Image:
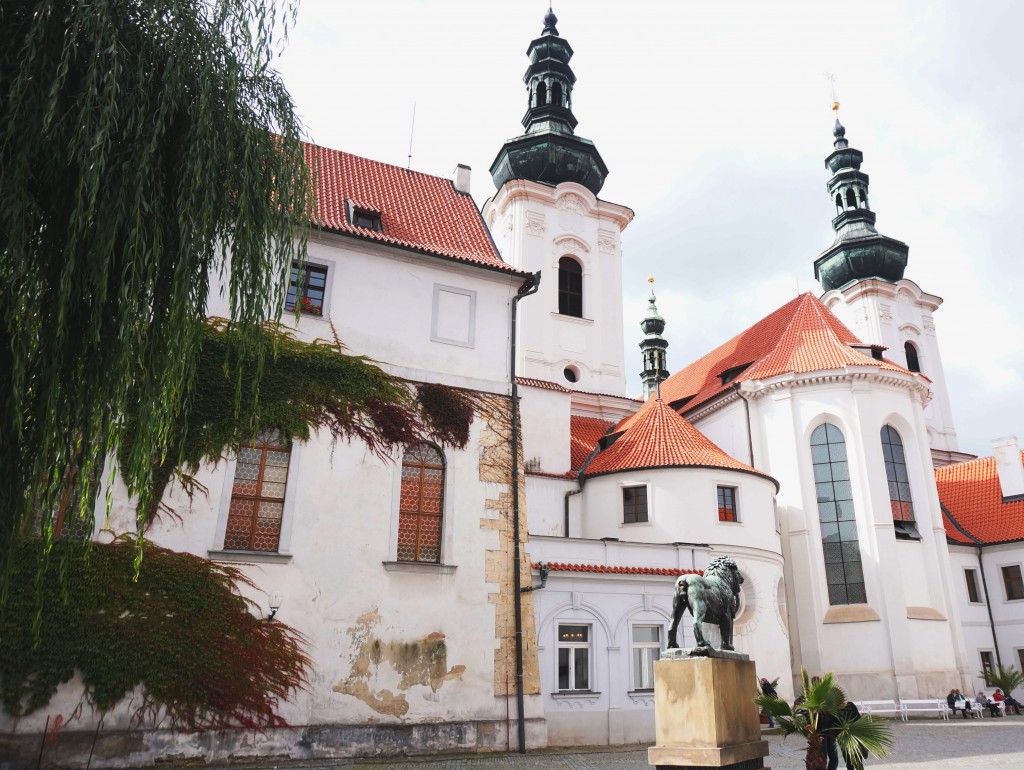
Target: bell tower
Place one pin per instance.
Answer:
(862, 274)
(653, 349)
(546, 217)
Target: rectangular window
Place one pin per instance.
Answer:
(646, 650)
(727, 510)
(257, 495)
(573, 657)
(987, 666)
(368, 219)
(308, 284)
(1013, 583)
(634, 505)
(971, 575)
(1020, 658)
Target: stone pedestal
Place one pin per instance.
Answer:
(705, 715)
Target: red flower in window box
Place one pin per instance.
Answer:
(306, 305)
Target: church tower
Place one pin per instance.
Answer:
(653, 348)
(862, 276)
(546, 217)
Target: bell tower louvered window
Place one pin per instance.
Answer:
(421, 508)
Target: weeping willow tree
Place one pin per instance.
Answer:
(145, 145)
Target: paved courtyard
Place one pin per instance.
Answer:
(920, 743)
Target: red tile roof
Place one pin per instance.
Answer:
(584, 433)
(544, 384)
(418, 211)
(659, 438)
(970, 493)
(801, 336)
(606, 569)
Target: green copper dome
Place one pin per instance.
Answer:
(859, 251)
(549, 151)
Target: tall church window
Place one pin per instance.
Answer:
(899, 484)
(421, 507)
(841, 548)
(913, 364)
(570, 287)
(257, 494)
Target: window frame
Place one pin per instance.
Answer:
(836, 525)
(724, 506)
(419, 514)
(987, 659)
(263, 446)
(901, 498)
(971, 582)
(573, 648)
(644, 649)
(1018, 582)
(632, 487)
(568, 296)
(292, 292)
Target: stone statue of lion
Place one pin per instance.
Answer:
(711, 598)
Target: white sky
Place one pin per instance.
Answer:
(713, 118)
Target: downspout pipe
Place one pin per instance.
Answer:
(981, 568)
(750, 437)
(530, 286)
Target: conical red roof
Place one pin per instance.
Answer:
(659, 438)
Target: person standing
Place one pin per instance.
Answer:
(850, 713)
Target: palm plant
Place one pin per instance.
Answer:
(1006, 678)
(818, 712)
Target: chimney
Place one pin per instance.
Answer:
(460, 178)
(1011, 472)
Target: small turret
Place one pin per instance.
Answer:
(653, 347)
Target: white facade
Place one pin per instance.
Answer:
(534, 226)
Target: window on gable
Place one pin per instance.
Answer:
(973, 595)
(1013, 583)
(840, 546)
(634, 505)
(646, 650)
(307, 286)
(899, 485)
(257, 495)
(570, 287)
(913, 364)
(727, 509)
(421, 506)
(573, 657)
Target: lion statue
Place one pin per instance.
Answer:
(711, 598)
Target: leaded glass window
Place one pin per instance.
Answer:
(421, 506)
(896, 473)
(257, 495)
(843, 570)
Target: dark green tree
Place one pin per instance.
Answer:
(145, 145)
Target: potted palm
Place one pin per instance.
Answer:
(820, 711)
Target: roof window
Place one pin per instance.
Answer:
(733, 372)
(364, 216)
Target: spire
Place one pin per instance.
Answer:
(859, 252)
(550, 151)
(653, 347)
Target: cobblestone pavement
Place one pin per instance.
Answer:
(932, 743)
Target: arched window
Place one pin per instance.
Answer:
(899, 483)
(556, 94)
(913, 364)
(851, 199)
(863, 197)
(839, 202)
(542, 94)
(570, 287)
(843, 570)
(421, 506)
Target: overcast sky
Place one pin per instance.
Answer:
(713, 118)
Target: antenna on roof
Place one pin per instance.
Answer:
(412, 128)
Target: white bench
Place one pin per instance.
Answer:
(880, 707)
(926, 706)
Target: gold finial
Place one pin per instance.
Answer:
(832, 88)
(650, 279)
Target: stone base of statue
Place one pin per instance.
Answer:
(704, 712)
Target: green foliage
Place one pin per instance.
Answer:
(1006, 678)
(304, 387)
(182, 631)
(820, 709)
(144, 145)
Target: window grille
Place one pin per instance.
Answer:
(257, 495)
(421, 506)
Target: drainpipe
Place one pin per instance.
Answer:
(981, 568)
(750, 438)
(529, 287)
(569, 494)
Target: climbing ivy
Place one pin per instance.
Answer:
(182, 631)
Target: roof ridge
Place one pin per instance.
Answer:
(379, 162)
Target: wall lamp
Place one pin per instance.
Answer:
(543, 579)
(274, 602)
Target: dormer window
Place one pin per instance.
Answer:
(733, 372)
(364, 216)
